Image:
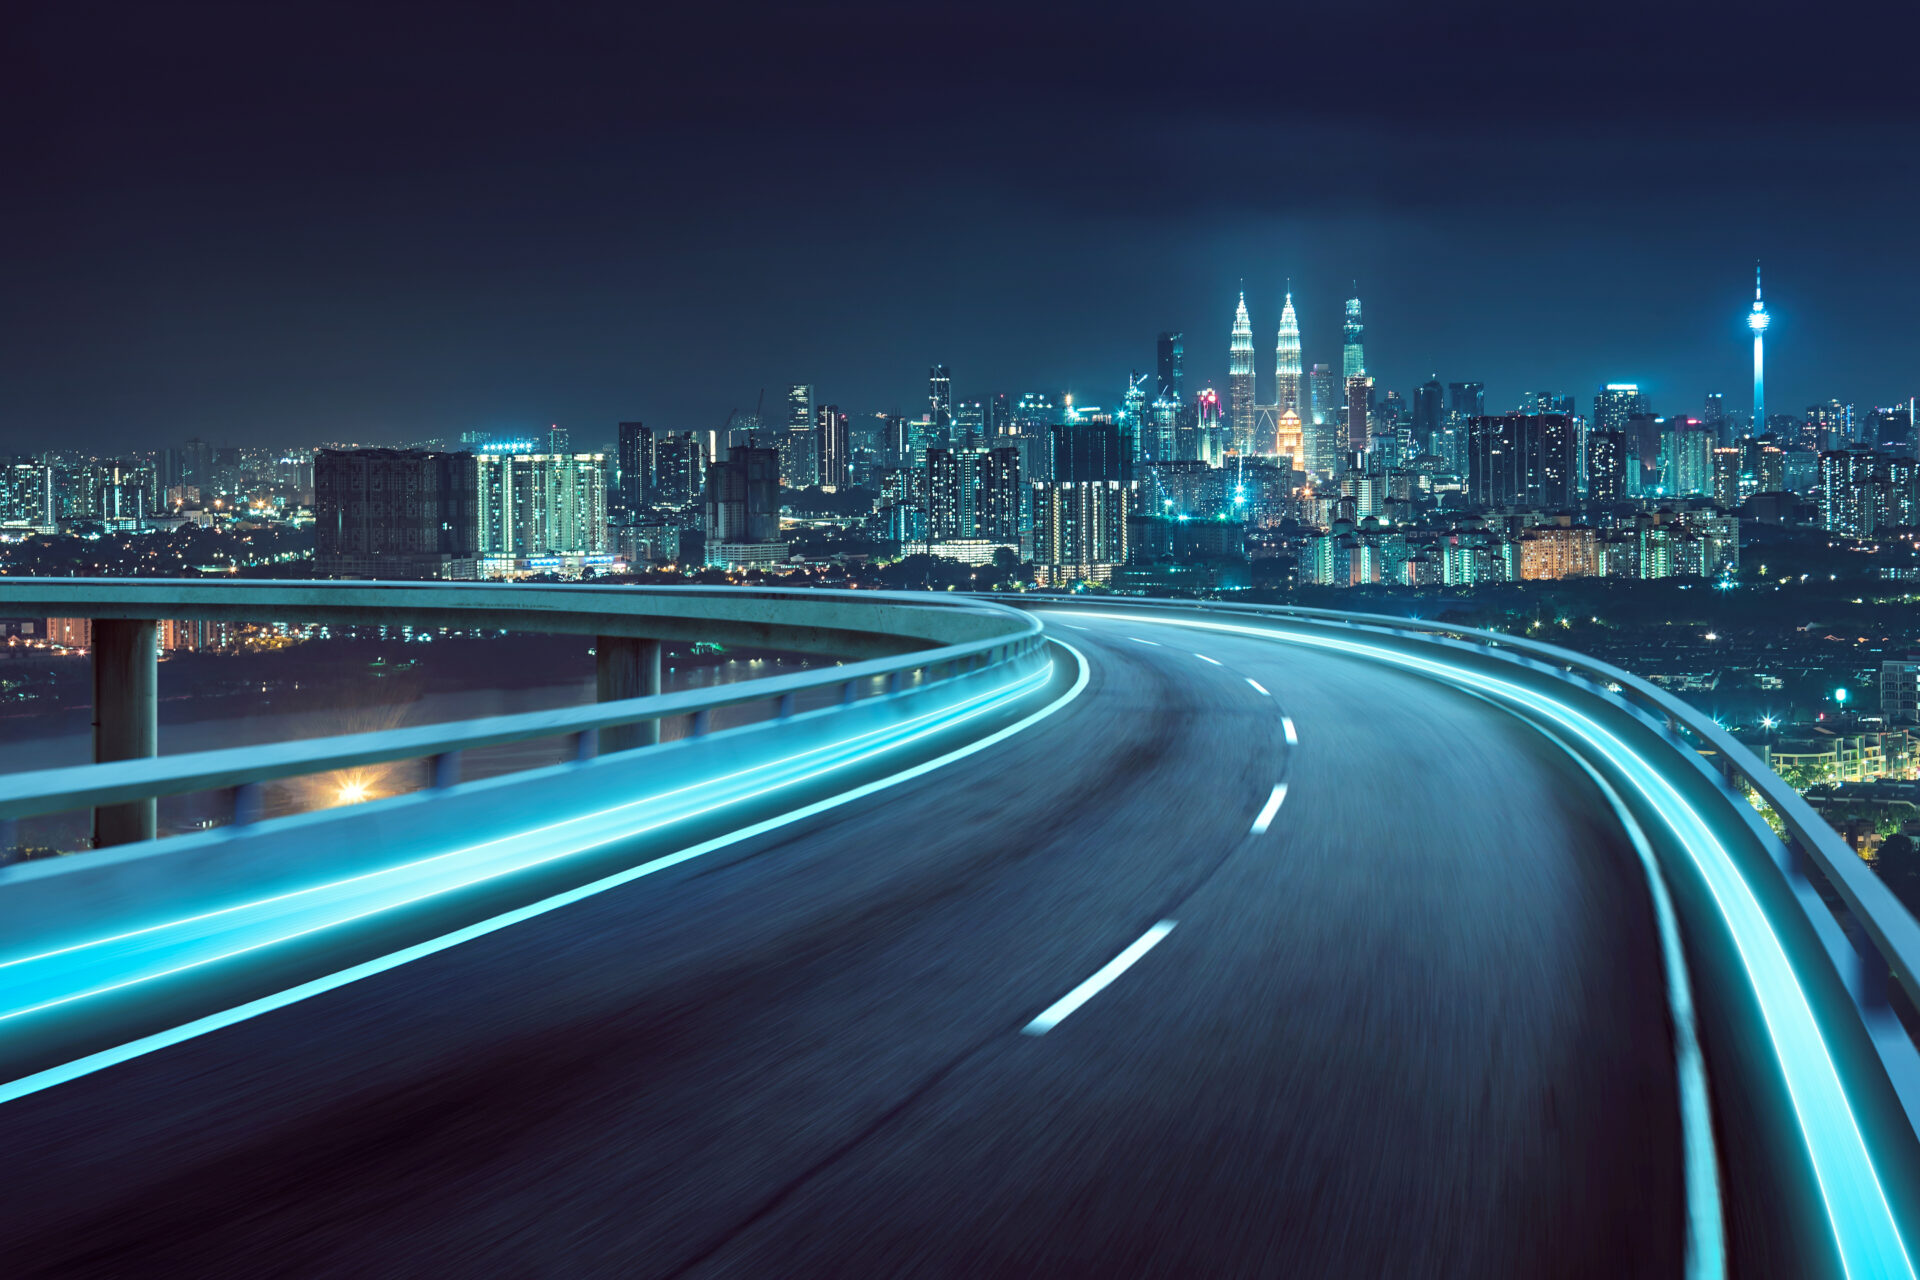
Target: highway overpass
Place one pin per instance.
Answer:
(1165, 940)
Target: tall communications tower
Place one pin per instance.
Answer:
(1240, 379)
(1757, 322)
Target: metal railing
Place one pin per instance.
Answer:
(242, 771)
(1803, 847)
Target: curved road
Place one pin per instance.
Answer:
(1415, 1026)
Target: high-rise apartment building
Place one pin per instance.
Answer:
(1240, 379)
(1607, 466)
(1862, 491)
(1522, 460)
(27, 496)
(540, 511)
(394, 513)
(973, 494)
(1686, 458)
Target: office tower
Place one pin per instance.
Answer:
(1757, 321)
(1607, 466)
(634, 458)
(969, 419)
(1133, 412)
(1161, 442)
(1286, 362)
(1521, 460)
(539, 507)
(1326, 399)
(196, 464)
(832, 448)
(800, 407)
(1468, 399)
(1353, 352)
(1545, 402)
(1716, 417)
(1290, 439)
(742, 500)
(939, 397)
(679, 469)
(1359, 402)
(394, 513)
(1170, 359)
(1429, 417)
(1209, 431)
(559, 439)
(1000, 415)
(1036, 413)
(1240, 389)
(1616, 403)
(798, 459)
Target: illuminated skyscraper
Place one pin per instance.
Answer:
(1757, 321)
(1240, 379)
(1354, 353)
(939, 397)
(832, 448)
(1617, 403)
(1286, 361)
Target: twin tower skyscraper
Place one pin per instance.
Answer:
(1276, 427)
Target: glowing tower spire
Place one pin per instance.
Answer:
(1757, 321)
(1286, 359)
(1240, 379)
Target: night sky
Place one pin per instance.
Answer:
(291, 223)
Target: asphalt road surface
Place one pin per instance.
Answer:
(1411, 1024)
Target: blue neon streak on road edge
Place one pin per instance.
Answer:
(93, 1062)
(945, 714)
(1880, 1238)
(1706, 1228)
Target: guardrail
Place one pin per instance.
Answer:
(1804, 845)
(899, 620)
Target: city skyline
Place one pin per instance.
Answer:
(415, 235)
(1208, 364)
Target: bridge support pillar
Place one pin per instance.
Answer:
(626, 668)
(126, 717)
